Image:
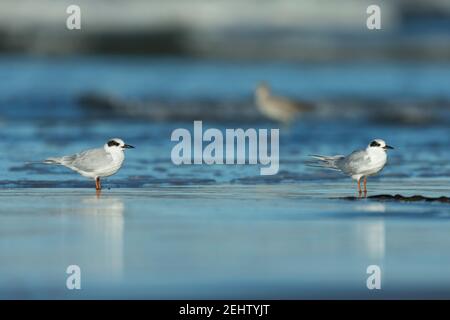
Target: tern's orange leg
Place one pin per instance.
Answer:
(359, 186)
(98, 186)
(365, 184)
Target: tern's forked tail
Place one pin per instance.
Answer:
(52, 161)
(319, 161)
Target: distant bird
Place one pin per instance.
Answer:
(359, 164)
(95, 163)
(276, 108)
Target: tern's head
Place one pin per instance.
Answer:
(116, 144)
(378, 144)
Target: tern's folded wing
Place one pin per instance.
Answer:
(91, 160)
(354, 163)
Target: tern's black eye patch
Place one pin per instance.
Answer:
(374, 144)
(112, 143)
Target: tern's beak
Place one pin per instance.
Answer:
(127, 146)
(388, 147)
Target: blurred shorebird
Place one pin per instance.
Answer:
(95, 163)
(276, 108)
(359, 164)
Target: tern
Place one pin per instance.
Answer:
(359, 164)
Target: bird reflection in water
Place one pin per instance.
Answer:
(372, 233)
(105, 226)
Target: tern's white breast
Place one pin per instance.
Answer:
(114, 166)
(378, 159)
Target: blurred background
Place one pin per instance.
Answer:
(138, 69)
(298, 30)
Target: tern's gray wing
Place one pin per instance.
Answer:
(354, 163)
(89, 160)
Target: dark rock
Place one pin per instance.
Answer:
(400, 198)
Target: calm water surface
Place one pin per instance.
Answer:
(164, 231)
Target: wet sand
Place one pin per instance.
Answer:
(222, 241)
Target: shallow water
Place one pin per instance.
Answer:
(221, 241)
(165, 231)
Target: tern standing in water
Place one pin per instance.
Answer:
(359, 164)
(95, 163)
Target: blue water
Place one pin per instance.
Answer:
(163, 231)
(47, 87)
